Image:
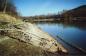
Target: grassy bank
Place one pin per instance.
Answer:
(12, 47)
(14, 43)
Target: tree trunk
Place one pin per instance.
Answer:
(5, 6)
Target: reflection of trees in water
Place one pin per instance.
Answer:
(80, 25)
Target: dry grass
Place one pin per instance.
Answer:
(12, 47)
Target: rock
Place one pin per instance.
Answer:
(30, 33)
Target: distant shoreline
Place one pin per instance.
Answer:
(54, 20)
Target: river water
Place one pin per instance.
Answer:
(74, 33)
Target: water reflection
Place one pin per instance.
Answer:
(71, 32)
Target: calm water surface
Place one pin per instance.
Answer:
(72, 33)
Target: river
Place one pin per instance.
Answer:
(74, 33)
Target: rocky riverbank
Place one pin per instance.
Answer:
(18, 37)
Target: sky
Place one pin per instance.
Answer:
(45, 7)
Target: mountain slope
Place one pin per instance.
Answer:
(77, 12)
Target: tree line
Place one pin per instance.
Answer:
(75, 14)
(7, 6)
